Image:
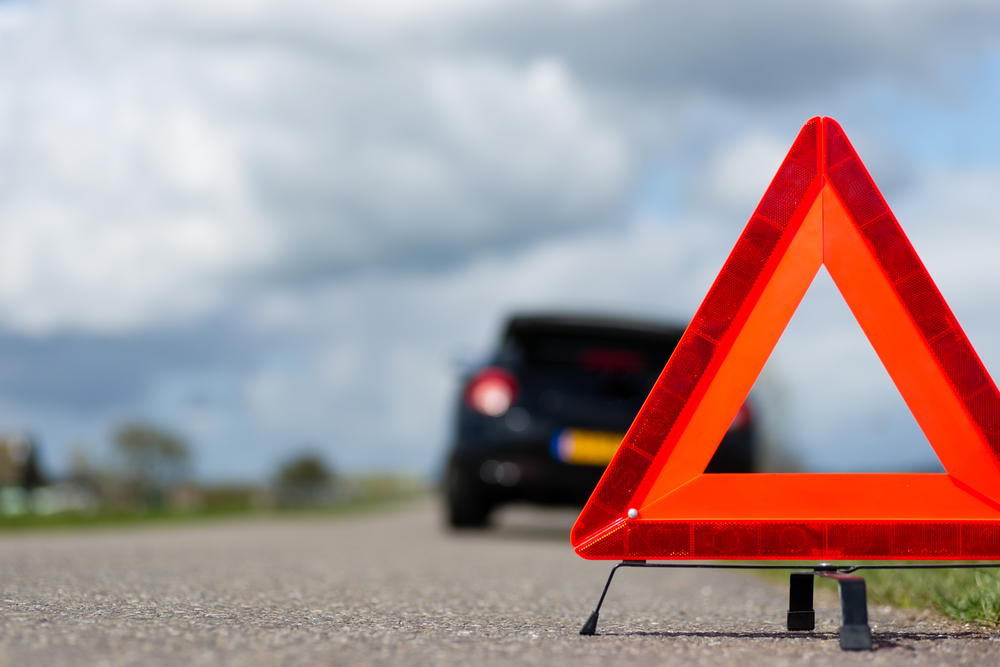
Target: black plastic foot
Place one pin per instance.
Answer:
(855, 635)
(855, 638)
(590, 627)
(801, 615)
(802, 620)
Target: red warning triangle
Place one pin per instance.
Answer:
(655, 501)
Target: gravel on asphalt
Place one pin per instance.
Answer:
(396, 588)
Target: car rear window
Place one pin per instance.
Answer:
(600, 355)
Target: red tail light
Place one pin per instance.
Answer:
(492, 391)
(742, 418)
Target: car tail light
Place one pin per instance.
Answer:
(492, 391)
(742, 418)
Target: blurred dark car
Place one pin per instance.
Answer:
(541, 421)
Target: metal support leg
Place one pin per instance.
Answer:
(590, 627)
(855, 635)
(801, 615)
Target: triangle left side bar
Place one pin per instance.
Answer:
(707, 340)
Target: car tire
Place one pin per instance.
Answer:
(466, 506)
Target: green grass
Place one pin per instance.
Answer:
(980, 603)
(138, 518)
(965, 594)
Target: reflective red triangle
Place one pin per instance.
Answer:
(822, 208)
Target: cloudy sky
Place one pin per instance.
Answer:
(276, 226)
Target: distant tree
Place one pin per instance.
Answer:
(152, 458)
(19, 464)
(304, 480)
(78, 463)
(305, 470)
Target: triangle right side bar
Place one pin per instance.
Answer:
(916, 292)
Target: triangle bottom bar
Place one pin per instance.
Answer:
(797, 540)
(823, 496)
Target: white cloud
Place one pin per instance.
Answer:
(741, 173)
(149, 166)
(156, 154)
(375, 359)
(376, 184)
(769, 51)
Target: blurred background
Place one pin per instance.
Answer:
(250, 235)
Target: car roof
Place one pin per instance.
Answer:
(523, 325)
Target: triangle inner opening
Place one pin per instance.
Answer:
(825, 402)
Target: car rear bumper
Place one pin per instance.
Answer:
(529, 471)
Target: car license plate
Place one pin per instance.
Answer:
(590, 448)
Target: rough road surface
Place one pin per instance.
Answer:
(396, 589)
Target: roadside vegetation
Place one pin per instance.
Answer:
(964, 594)
(149, 478)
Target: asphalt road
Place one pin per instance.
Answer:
(396, 589)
